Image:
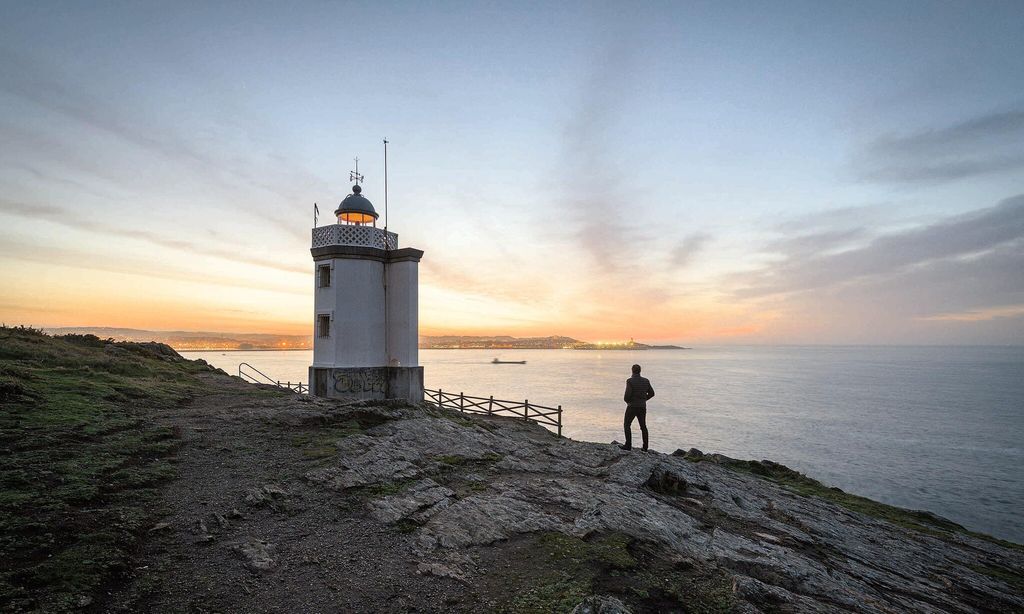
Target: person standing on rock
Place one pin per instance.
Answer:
(638, 391)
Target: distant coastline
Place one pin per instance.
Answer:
(595, 347)
(464, 342)
(272, 349)
(200, 341)
(645, 347)
(266, 349)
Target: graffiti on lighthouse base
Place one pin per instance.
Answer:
(355, 381)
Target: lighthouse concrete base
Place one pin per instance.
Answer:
(367, 383)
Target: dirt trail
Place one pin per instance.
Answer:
(245, 532)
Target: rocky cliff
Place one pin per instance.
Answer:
(287, 500)
(281, 502)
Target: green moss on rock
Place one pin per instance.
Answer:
(555, 572)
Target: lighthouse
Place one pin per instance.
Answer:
(366, 308)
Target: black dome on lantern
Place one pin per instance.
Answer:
(355, 207)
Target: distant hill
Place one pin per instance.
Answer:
(194, 340)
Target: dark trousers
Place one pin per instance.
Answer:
(640, 413)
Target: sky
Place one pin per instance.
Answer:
(698, 172)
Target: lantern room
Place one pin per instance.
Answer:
(356, 209)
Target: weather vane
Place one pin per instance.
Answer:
(354, 175)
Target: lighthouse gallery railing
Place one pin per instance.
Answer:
(531, 412)
(345, 234)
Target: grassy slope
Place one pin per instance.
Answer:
(80, 460)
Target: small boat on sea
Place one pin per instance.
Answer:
(508, 362)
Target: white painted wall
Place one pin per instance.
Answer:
(403, 314)
(323, 302)
(356, 300)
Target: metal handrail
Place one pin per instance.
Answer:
(298, 387)
(542, 414)
(251, 378)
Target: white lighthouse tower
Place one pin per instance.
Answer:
(366, 308)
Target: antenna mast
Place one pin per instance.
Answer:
(354, 175)
(385, 190)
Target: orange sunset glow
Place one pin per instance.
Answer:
(605, 194)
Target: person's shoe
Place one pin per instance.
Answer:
(627, 448)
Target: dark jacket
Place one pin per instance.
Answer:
(638, 390)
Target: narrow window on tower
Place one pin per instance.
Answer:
(323, 325)
(323, 276)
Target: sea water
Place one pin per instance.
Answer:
(933, 428)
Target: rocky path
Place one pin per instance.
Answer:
(246, 532)
(289, 503)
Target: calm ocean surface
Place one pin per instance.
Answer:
(934, 428)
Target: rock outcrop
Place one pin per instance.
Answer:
(506, 479)
(406, 508)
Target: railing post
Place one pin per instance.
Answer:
(559, 420)
(440, 398)
(462, 402)
(490, 406)
(526, 410)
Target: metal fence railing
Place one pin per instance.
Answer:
(540, 414)
(489, 406)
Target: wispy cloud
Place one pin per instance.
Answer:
(924, 283)
(967, 134)
(816, 243)
(514, 289)
(979, 315)
(263, 171)
(593, 196)
(958, 236)
(690, 246)
(40, 211)
(83, 259)
(833, 219)
(980, 145)
(908, 305)
(945, 170)
(57, 215)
